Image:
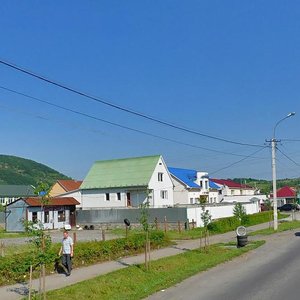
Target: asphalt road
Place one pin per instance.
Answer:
(269, 272)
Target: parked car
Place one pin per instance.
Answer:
(289, 207)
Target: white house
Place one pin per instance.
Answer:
(127, 183)
(231, 191)
(190, 185)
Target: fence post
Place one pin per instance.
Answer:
(2, 249)
(156, 223)
(103, 235)
(179, 227)
(165, 224)
(74, 237)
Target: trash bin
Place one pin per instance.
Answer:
(242, 237)
(242, 241)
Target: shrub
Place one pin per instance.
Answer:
(16, 268)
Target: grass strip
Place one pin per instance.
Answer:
(136, 283)
(283, 226)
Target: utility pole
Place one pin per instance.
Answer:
(274, 144)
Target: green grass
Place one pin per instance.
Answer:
(136, 283)
(283, 226)
(5, 235)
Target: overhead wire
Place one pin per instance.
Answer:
(289, 158)
(239, 161)
(116, 124)
(121, 108)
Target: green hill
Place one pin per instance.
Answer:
(17, 170)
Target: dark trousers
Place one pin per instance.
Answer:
(67, 262)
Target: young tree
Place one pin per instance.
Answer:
(144, 221)
(206, 219)
(239, 212)
(41, 239)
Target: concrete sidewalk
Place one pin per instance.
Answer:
(56, 281)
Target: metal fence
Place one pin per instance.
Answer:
(104, 216)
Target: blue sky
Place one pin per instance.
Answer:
(228, 69)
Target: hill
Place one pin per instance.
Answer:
(17, 170)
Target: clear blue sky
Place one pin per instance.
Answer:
(229, 69)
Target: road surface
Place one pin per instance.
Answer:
(269, 272)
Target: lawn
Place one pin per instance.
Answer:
(282, 226)
(136, 283)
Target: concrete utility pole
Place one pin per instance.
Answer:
(274, 144)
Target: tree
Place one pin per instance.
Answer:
(144, 221)
(41, 239)
(206, 219)
(240, 213)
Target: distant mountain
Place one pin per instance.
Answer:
(266, 185)
(17, 170)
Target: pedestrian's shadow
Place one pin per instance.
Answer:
(297, 233)
(58, 267)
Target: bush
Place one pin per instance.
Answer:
(16, 268)
(231, 223)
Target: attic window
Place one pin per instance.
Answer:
(160, 177)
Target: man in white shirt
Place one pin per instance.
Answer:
(66, 250)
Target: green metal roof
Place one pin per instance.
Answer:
(128, 172)
(10, 190)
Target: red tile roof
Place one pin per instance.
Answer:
(286, 192)
(70, 185)
(231, 184)
(55, 201)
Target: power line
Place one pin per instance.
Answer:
(290, 159)
(116, 124)
(127, 110)
(290, 140)
(237, 162)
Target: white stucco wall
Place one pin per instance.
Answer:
(158, 186)
(97, 198)
(245, 198)
(219, 211)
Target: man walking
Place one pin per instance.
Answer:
(66, 250)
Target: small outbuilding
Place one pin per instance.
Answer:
(55, 214)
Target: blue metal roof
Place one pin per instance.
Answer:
(186, 176)
(212, 185)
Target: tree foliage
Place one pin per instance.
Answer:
(17, 170)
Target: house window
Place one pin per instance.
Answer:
(46, 217)
(206, 185)
(191, 200)
(107, 197)
(119, 196)
(164, 194)
(160, 177)
(34, 216)
(61, 216)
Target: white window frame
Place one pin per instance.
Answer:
(164, 194)
(160, 177)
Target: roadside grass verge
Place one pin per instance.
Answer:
(135, 283)
(283, 226)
